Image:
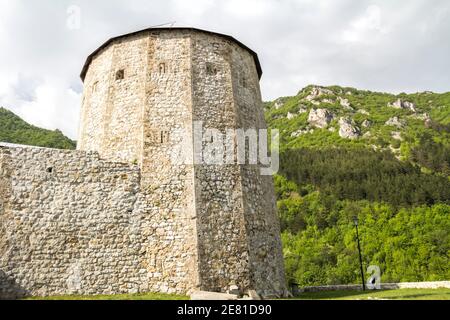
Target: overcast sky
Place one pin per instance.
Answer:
(390, 45)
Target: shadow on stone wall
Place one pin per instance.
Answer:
(9, 289)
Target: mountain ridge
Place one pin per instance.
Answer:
(380, 157)
(15, 130)
(403, 124)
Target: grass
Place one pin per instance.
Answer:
(144, 296)
(398, 294)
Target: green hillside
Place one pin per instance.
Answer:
(384, 158)
(14, 130)
(346, 153)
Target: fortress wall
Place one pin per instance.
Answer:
(72, 230)
(223, 251)
(122, 119)
(112, 108)
(93, 226)
(95, 97)
(168, 184)
(261, 219)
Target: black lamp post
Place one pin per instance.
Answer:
(355, 220)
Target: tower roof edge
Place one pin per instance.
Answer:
(108, 42)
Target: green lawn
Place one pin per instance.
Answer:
(145, 296)
(399, 294)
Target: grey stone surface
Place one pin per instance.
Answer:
(320, 118)
(348, 129)
(395, 122)
(206, 295)
(317, 92)
(254, 295)
(234, 290)
(400, 104)
(366, 123)
(118, 216)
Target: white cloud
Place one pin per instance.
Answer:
(191, 9)
(249, 8)
(53, 105)
(367, 27)
(371, 44)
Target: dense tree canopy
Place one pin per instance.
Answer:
(360, 173)
(394, 178)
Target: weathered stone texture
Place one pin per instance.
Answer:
(120, 215)
(69, 225)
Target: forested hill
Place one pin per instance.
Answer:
(384, 158)
(15, 130)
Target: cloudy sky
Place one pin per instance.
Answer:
(390, 45)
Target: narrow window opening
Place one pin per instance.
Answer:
(164, 137)
(157, 137)
(94, 86)
(162, 68)
(211, 69)
(49, 170)
(120, 74)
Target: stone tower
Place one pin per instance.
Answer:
(210, 226)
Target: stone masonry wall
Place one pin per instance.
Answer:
(168, 186)
(120, 215)
(72, 223)
(261, 221)
(223, 249)
(69, 225)
(112, 108)
(239, 233)
(144, 115)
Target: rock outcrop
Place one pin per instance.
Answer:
(320, 118)
(348, 129)
(317, 92)
(400, 104)
(301, 132)
(362, 111)
(302, 109)
(395, 122)
(396, 135)
(366, 123)
(278, 104)
(345, 104)
(424, 116)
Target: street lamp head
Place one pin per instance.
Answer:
(355, 220)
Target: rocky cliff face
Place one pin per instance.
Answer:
(321, 116)
(348, 129)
